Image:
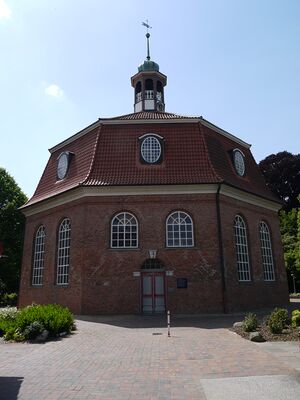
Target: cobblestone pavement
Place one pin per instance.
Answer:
(133, 358)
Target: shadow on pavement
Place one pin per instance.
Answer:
(160, 321)
(9, 387)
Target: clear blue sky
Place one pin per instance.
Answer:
(65, 63)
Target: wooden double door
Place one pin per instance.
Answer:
(153, 292)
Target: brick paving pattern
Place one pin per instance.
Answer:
(122, 359)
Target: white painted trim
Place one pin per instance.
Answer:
(237, 149)
(167, 231)
(150, 134)
(75, 137)
(245, 260)
(80, 192)
(249, 198)
(224, 133)
(137, 232)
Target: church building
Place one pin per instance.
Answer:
(152, 211)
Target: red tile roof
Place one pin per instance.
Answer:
(108, 155)
(220, 153)
(117, 159)
(149, 115)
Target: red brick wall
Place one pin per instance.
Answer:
(102, 281)
(257, 293)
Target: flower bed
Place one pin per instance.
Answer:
(276, 327)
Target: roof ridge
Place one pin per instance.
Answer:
(148, 115)
(93, 157)
(208, 154)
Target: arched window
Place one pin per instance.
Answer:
(242, 253)
(179, 230)
(266, 252)
(63, 252)
(38, 256)
(149, 84)
(138, 92)
(124, 231)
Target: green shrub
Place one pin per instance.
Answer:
(8, 318)
(18, 336)
(296, 318)
(29, 322)
(278, 320)
(55, 319)
(33, 330)
(250, 322)
(9, 334)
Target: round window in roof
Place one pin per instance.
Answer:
(151, 149)
(239, 162)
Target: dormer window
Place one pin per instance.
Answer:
(63, 163)
(151, 149)
(239, 162)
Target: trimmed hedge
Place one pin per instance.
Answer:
(31, 321)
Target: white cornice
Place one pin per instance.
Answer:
(249, 198)
(75, 137)
(105, 191)
(224, 133)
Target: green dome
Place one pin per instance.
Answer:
(148, 66)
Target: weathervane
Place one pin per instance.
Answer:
(146, 24)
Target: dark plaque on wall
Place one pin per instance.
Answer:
(181, 283)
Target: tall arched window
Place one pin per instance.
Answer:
(266, 252)
(179, 230)
(124, 231)
(63, 252)
(242, 253)
(38, 256)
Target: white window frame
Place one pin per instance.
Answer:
(151, 149)
(179, 214)
(239, 164)
(38, 256)
(241, 249)
(63, 252)
(266, 252)
(121, 233)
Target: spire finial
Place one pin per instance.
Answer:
(146, 24)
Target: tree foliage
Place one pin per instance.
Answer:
(290, 233)
(11, 230)
(282, 175)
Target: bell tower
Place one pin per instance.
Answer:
(148, 84)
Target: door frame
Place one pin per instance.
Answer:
(153, 273)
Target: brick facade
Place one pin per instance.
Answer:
(102, 279)
(188, 165)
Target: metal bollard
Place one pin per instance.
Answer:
(168, 322)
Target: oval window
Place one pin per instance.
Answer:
(151, 149)
(239, 162)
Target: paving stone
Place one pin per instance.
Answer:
(119, 358)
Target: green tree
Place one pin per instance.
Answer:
(289, 235)
(282, 174)
(11, 230)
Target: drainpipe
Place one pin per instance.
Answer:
(221, 250)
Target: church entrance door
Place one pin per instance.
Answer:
(153, 292)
